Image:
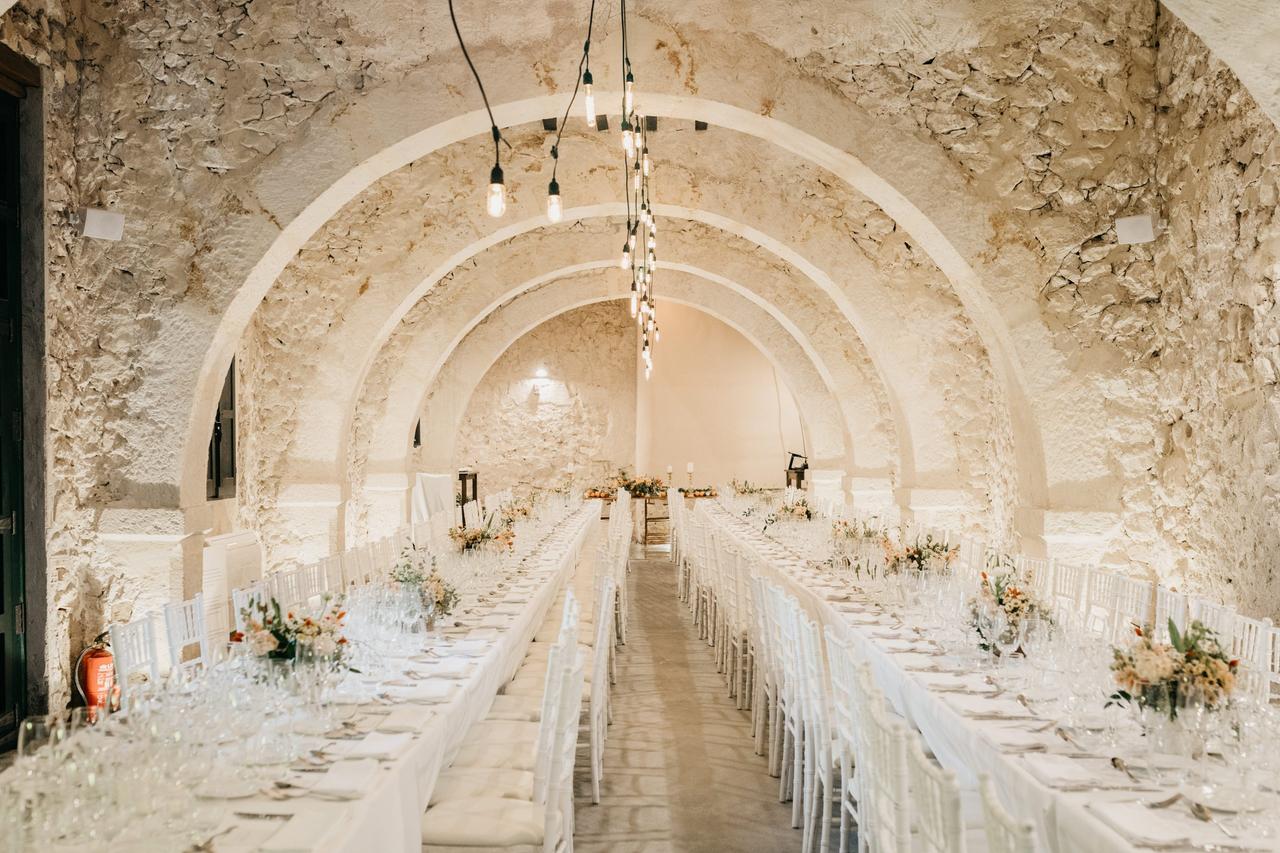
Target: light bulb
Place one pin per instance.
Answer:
(645, 161)
(653, 244)
(636, 181)
(628, 139)
(629, 93)
(554, 209)
(631, 239)
(657, 333)
(633, 302)
(626, 257)
(496, 202)
(589, 99)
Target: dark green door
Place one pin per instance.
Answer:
(12, 652)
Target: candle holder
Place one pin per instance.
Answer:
(690, 479)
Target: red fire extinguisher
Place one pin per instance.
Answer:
(96, 675)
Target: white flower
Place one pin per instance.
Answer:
(262, 642)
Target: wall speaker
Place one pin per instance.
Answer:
(102, 224)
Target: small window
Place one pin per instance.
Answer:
(417, 434)
(221, 478)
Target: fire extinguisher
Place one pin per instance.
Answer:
(96, 674)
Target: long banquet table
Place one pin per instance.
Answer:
(1076, 803)
(387, 817)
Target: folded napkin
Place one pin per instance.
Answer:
(447, 667)
(373, 745)
(986, 706)
(470, 647)
(1060, 771)
(837, 595)
(484, 633)
(494, 621)
(1140, 825)
(407, 718)
(953, 681)
(1018, 740)
(427, 692)
(347, 779)
(304, 832)
(513, 608)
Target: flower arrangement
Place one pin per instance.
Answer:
(1155, 675)
(796, 509)
(842, 530)
(599, 492)
(745, 488)
(517, 510)
(699, 492)
(413, 566)
(438, 594)
(470, 538)
(1007, 593)
(929, 555)
(274, 633)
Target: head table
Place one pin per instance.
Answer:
(366, 787)
(1077, 797)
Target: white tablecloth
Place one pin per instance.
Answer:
(388, 817)
(964, 745)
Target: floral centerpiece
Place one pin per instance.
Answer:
(699, 492)
(470, 538)
(416, 569)
(927, 555)
(851, 531)
(1159, 675)
(517, 510)
(599, 492)
(412, 567)
(438, 594)
(274, 633)
(641, 487)
(745, 488)
(797, 509)
(1011, 597)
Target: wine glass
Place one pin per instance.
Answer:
(1007, 637)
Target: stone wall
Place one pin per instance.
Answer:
(522, 429)
(1215, 484)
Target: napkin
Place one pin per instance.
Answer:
(955, 681)
(406, 718)
(985, 706)
(1138, 824)
(1061, 771)
(494, 621)
(485, 633)
(373, 745)
(1018, 740)
(348, 779)
(427, 692)
(446, 667)
(466, 648)
(304, 832)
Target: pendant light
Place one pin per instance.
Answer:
(496, 197)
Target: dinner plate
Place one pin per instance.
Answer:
(227, 789)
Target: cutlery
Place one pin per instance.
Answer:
(1205, 848)
(262, 815)
(1118, 763)
(1202, 812)
(206, 846)
(1162, 804)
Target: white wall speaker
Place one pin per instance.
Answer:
(1136, 229)
(102, 224)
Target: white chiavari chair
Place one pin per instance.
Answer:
(1134, 602)
(935, 803)
(1248, 644)
(245, 598)
(1218, 618)
(764, 698)
(350, 562)
(886, 807)
(844, 685)
(311, 584)
(133, 648)
(184, 627)
(783, 613)
(1068, 592)
(1169, 605)
(1273, 664)
(598, 700)
(285, 586)
(820, 754)
(331, 568)
(1037, 571)
(365, 564)
(1005, 833)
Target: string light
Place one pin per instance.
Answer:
(555, 207)
(589, 99)
(555, 212)
(496, 198)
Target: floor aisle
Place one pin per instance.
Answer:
(680, 772)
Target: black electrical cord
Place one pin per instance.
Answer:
(582, 63)
(493, 125)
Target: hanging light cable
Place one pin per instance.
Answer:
(555, 208)
(496, 199)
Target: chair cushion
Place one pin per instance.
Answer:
(516, 707)
(461, 783)
(509, 756)
(502, 731)
(486, 822)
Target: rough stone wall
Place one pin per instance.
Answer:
(1216, 483)
(521, 430)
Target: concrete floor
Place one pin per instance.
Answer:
(680, 772)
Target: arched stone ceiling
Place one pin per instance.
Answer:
(390, 399)
(932, 178)
(841, 231)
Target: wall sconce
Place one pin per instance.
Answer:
(541, 373)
